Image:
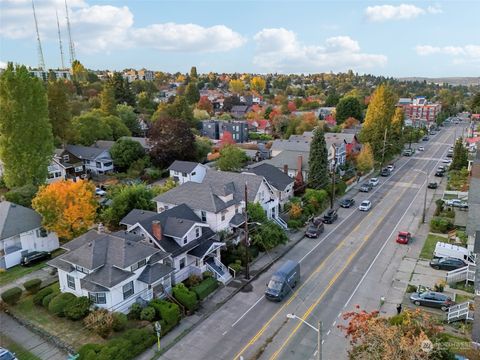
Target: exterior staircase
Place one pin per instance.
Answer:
(280, 222)
(219, 270)
(466, 273)
(460, 312)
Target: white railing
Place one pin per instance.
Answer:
(460, 312)
(466, 273)
(225, 277)
(280, 222)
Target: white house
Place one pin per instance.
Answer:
(113, 270)
(96, 160)
(219, 200)
(184, 171)
(63, 166)
(192, 245)
(21, 232)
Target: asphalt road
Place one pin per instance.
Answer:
(250, 327)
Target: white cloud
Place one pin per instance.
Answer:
(3, 65)
(278, 49)
(461, 54)
(104, 28)
(381, 13)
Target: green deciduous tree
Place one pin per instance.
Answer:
(124, 152)
(26, 140)
(118, 128)
(193, 72)
(256, 213)
(192, 95)
(129, 118)
(231, 158)
(475, 103)
(348, 106)
(318, 162)
(89, 127)
(179, 109)
(203, 147)
(59, 110)
(460, 156)
(107, 100)
(269, 235)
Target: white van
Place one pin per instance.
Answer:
(448, 250)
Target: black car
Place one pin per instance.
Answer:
(432, 299)
(366, 187)
(34, 257)
(447, 263)
(314, 231)
(346, 203)
(449, 155)
(432, 185)
(385, 172)
(425, 138)
(330, 216)
(439, 173)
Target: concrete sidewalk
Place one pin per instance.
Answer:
(29, 340)
(222, 295)
(42, 274)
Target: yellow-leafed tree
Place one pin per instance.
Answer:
(365, 159)
(236, 86)
(257, 84)
(67, 208)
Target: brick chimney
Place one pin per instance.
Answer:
(285, 169)
(157, 229)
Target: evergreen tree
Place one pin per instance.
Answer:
(318, 162)
(192, 94)
(378, 120)
(193, 72)
(59, 110)
(121, 86)
(107, 100)
(26, 139)
(460, 156)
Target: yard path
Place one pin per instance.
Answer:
(29, 340)
(42, 274)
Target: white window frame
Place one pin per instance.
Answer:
(71, 282)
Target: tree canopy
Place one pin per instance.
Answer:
(460, 156)
(231, 158)
(59, 110)
(364, 160)
(318, 161)
(124, 152)
(348, 106)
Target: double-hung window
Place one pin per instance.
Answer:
(127, 290)
(98, 298)
(71, 282)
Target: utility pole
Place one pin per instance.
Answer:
(247, 241)
(425, 199)
(319, 357)
(332, 196)
(384, 145)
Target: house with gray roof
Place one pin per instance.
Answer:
(65, 166)
(96, 159)
(21, 232)
(192, 246)
(113, 270)
(290, 162)
(184, 171)
(220, 196)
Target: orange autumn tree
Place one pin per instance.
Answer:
(67, 208)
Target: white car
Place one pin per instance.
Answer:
(457, 203)
(391, 167)
(421, 148)
(447, 161)
(374, 181)
(100, 192)
(365, 205)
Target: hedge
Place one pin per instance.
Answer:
(32, 286)
(124, 347)
(78, 308)
(185, 297)
(205, 288)
(11, 296)
(39, 296)
(167, 312)
(47, 299)
(148, 314)
(119, 321)
(60, 302)
(135, 311)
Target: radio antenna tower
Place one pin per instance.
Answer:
(60, 41)
(70, 42)
(41, 60)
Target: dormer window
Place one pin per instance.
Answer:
(185, 240)
(66, 158)
(197, 232)
(138, 265)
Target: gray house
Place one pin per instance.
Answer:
(214, 129)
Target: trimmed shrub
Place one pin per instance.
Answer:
(59, 303)
(205, 288)
(135, 311)
(207, 274)
(47, 299)
(295, 224)
(167, 312)
(100, 322)
(11, 296)
(32, 286)
(39, 296)
(411, 288)
(185, 297)
(119, 321)
(78, 308)
(147, 314)
(441, 225)
(236, 266)
(192, 280)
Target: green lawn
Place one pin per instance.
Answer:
(459, 298)
(20, 352)
(18, 271)
(429, 246)
(72, 332)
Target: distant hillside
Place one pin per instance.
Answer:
(449, 80)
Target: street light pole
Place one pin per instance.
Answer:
(425, 196)
(384, 145)
(332, 197)
(318, 330)
(247, 242)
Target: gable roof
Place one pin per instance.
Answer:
(295, 144)
(154, 272)
(16, 219)
(275, 177)
(136, 215)
(335, 138)
(85, 152)
(287, 157)
(183, 166)
(104, 144)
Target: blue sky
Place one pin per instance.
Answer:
(408, 38)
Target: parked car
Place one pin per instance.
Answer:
(283, 281)
(373, 181)
(439, 173)
(421, 148)
(425, 138)
(432, 185)
(314, 231)
(330, 216)
(447, 263)
(447, 161)
(365, 187)
(407, 152)
(6, 354)
(404, 237)
(385, 172)
(391, 167)
(449, 155)
(457, 203)
(442, 168)
(35, 257)
(432, 299)
(365, 205)
(346, 203)
(100, 192)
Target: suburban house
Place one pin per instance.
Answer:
(184, 171)
(215, 129)
(192, 246)
(65, 166)
(113, 270)
(290, 162)
(352, 144)
(21, 232)
(219, 200)
(239, 111)
(97, 160)
(299, 143)
(337, 149)
(281, 183)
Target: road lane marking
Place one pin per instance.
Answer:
(328, 333)
(334, 323)
(246, 312)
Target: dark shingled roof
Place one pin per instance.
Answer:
(275, 177)
(237, 220)
(183, 166)
(201, 249)
(136, 215)
(155, 272)
(16, 219)
(85, 152)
